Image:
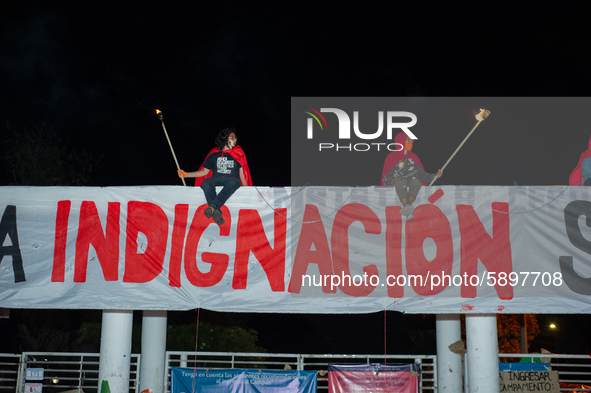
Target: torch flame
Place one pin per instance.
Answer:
(157, 111)
(483, 114)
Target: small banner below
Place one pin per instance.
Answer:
(528, 377)
(374, 378)
(188, 380)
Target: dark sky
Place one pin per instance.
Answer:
(94, 71)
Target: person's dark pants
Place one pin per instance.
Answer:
(229, 184)
(587, 182)
(407, 188)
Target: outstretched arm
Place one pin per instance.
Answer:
(200, 173)
(425, 177)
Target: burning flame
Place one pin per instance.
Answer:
(483, 114)
(158, 111)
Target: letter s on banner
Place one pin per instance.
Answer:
(572, 212)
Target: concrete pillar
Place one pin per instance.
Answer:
(114, 365)
(152, 370)
(482, 353)
(449, 364)
(523, 334)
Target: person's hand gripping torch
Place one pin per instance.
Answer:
(483, 114)
(160, 117)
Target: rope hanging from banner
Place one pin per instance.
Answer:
(518, 212)
(196, 347)
(306, 222)
(354, 188)
(385, 348)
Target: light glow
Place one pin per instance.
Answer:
(483, 114)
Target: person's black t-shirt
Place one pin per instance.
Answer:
(224, 165)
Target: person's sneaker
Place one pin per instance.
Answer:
(407, 209)
(410, 217)
(217, 217)
(209, 211)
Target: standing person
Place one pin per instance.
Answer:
(226, 166)
(582, 173)
(404, 171)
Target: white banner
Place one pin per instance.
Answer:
(312, 250)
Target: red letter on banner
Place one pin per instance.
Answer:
(149, 219)
(61, 238)
(251, 237)
(311, 235)
(106, 245)
(219, 262)
(494, 251)
(339, 243)
(181, 213)
(431, 223)
(394, 251)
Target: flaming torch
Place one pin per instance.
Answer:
(160, 117)
(480, 116)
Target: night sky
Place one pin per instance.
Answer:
(94, 71)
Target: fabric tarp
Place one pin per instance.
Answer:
(482, 249)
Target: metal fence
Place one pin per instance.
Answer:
(282, 361)
(9, 371)
(61, 371)
(66, 371)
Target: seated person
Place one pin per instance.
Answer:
(404, 171)
(226, 166)
(581, 175)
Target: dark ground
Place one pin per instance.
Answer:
(94, 71)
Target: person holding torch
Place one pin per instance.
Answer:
(403, 170)
(226, 166)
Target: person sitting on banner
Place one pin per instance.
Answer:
(403, 170)
(581, 175)
(225, 165)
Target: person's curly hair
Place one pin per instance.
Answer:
(222, 139)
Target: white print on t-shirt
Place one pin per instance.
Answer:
(224, 165)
